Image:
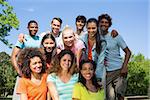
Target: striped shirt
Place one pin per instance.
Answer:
(64, 89)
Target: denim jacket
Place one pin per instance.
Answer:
(98, 58)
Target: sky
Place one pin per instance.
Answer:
(129, 17)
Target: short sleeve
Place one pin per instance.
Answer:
(76, 91)
(51, 78)
(121, 42)
(80, 44)
(19, 44)
(22, 86)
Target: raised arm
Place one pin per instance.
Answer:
(21, 37)
(14, 54)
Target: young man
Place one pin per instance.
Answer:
(116, 69)
(28, 40)
(55, 26)
(55, 29)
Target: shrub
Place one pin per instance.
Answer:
(138, 76)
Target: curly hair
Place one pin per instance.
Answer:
(24, 60)
(56, 64)
(105, 16)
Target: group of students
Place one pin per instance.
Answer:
(71, 65)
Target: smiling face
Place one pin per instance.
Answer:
(35, 65)
(49, 45)
(92, 29)
(65, 62)
(104, 24)
(80, 24)
(55, 26)
(33, 29)
(68, 37)
(87, 71)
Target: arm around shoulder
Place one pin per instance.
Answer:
(114, 33)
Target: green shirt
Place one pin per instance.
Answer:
(80, 92)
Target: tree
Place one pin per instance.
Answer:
(7, 75)
(8, 21)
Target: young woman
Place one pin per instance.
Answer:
(69, 41)
(48, 43)
(95, 46)
(87, 87)
(61, 81)
(80, 23)
(32, 84)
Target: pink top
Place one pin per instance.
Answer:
(78, 45)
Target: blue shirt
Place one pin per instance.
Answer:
(113, 57)
(64, 89)
(29, 42)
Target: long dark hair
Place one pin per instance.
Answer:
(98, 39)
(82, 79)
(49, 55)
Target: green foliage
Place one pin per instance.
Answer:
(7, 74)
(8, 21)
(138, 76)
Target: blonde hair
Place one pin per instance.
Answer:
(66, 28)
